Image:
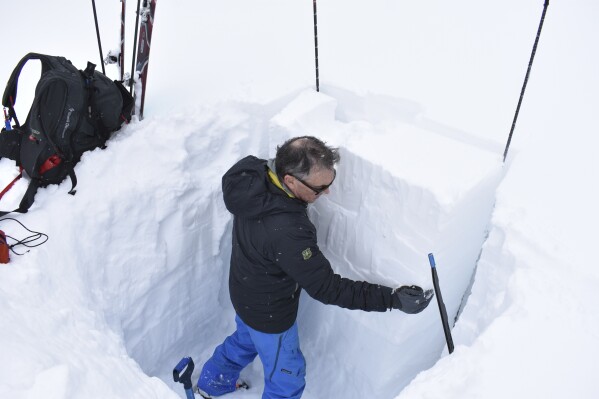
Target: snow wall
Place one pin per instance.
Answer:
(136, 275)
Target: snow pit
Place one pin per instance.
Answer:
(140, 254)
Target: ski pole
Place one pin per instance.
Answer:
(98, 34)
(132, 77)
(122, 60)
(442, 309)
(185, 378)
(316, 45)
(532, 57)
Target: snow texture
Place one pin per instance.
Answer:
(419, 97)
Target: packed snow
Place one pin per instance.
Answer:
(420, 98)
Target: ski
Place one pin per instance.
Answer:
(122, 55)
(146, 15)
(117, 56)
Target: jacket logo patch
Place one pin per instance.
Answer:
(307, 253)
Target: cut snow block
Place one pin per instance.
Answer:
(401, 192)
(309, 114)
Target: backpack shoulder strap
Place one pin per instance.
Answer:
(29, 196)
(10, 93)
(27, 200)
(9, 98)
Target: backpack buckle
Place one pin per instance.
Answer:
(50, 163)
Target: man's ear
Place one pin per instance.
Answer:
(289, 180)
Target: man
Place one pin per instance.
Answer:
(274, 256)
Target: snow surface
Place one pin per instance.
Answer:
(420, 97)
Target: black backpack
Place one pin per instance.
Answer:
(73, 111)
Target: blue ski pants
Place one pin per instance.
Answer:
(283, 361)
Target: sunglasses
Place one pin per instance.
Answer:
(320, 189)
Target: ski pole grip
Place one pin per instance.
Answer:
(431, 260)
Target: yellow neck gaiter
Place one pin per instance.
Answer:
(275, 180)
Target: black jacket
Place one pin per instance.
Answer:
(275, 255)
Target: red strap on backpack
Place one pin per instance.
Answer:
(50, 163)
(12, 183)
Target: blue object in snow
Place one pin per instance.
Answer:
(7, 121)
(185, 378)
(431, 259)
(442, 309)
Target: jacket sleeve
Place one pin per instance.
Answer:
(298, 255)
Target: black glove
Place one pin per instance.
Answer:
(411, 299)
